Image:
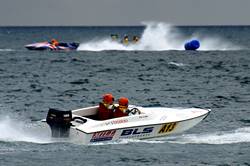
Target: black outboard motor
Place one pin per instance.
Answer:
(59, 122)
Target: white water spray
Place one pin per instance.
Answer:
(13, 130)
(160, 37)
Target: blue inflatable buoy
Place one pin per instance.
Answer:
(192, 45)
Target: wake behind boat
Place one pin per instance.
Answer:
(142, 123)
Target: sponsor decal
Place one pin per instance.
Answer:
(119, 121)
(136, 132)
(103, 136)
(143, 116)
(107, 123)
(167, 128)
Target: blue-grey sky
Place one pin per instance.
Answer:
(124, 12)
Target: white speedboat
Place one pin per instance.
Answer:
(142, 123)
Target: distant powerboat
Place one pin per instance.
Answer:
(50, 46)
(142, 123)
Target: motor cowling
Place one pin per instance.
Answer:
(59, 122)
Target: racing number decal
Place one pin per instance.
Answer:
(167, 128)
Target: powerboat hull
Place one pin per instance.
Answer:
(48, 46)
(150, 123)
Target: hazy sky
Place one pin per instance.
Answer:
(124, 12)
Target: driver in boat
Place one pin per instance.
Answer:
(54, 42)
(114, 37)
(122, 109)
(125, 40)
(135, 39)
(106, 107)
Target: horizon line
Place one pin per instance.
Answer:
(212, 25)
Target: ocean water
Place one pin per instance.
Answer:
(156, 72)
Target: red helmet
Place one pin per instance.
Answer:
(54, 41)
(108, 98)
(123, 101)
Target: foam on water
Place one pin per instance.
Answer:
(160, 37)
(6, 50)
(127, 141)
(209, 44)
(227, 137)
(224, 137)
(177, 64)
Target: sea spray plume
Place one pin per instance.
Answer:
(160, 37)
(155, 37)
(14, 130)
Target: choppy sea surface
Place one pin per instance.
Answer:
(155, 72)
